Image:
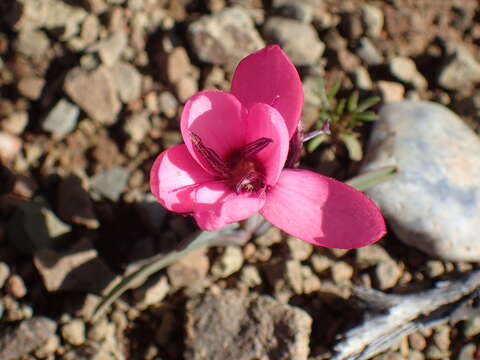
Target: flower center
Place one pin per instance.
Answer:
(242, 170)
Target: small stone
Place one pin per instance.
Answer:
(311, 282)
(185, 88)
(128, 81)
(248, 326)
(435, 268)
(441, 338)
(371, 255)
(18, 340)
(90, 29)
(95, 93)
(74, 203)
(437, 175)
(112, 47)
(272, 236)
(152, 292)
(320, 263)
(391, 91)
(189, 269)
(417, 341)
(228, 263)
(101, 330)
(415, 355)
(16, 287)
(32, 43)
(62, 119)
(4, 274)
(298, 10)
(10, 146)
(176, 65)
(362, 79)
(434, 353)
(31, 87)
(137, 126)
(224, 37)
(341, 271)
(52, 344)
(404, 69)
(299, 41)
(461, 71)
(299, 250)
(110, 183)
(250, 276)
(15, 123)
(74, 332)
(294, 276)
(373, 19)
(387, 274)
(78, 269)
(368, 52)
(168, 104)
(467, 352)
(472, 327)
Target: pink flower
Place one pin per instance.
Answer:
(232, 163)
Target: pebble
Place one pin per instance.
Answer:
(435, 153)
(74, 203)
(62, 119)
(249, 327)
(362, 78)
(32, 43)
(31, 87)
(391, 91)
(298, 10)
(74, 332)
(294, 276)
(152, 292)
(110, 183)
(250, 276)
(192, 268)
(15, 286)
(224, 37)
(341, 272)
(434, 268)
(95, 93)
(228, 263)
(404, 69)
(468, 352)
(471, 327)
(176, 65)
(111, 48)
(28, 335)
(371, 255)
(387, 274)
(373, 19)
(299, 40)
(417, 341)
(15, 123)
(10, 146)
(320, 263)
(461, 71)
(168, 104)
(368, 52)
(4, 273)
(49, 348)
(128, 81)
(78, 268)
(137, 126)
(185, 88)
(299, 250)
(272, 236)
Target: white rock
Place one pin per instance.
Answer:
(74, 332)
(62, 119)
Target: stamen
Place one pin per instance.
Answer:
(209, 155)
(325, 129)
(255, 147)
(249, 182)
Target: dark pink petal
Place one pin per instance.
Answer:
(174, 176)
(216, 205)
(268, 76)
(264, 121)
(216, 118)
(323, 211)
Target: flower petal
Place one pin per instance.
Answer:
(264, 121)
(216, 117)
(268, 76)
(323, 211)
(174, 176)
(216, 205)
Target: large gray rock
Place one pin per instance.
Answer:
(231, 326)
(434, 202)
(225, 37)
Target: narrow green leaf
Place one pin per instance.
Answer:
(313, 144)
(366, 116)
(368, 103)
(322, 93)
(340, 107)
(334, 90)
(352, 103)
(366, 181)
(353, 146)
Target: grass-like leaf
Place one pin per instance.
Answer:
(365, 181)
(368, 103)
(353, 146)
